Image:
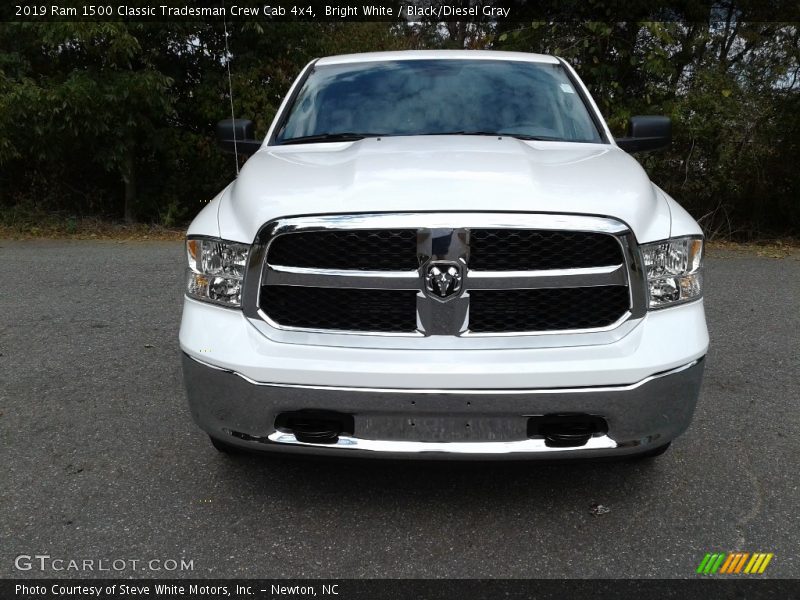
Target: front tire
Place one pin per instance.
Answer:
(224, 447)
(653, 453)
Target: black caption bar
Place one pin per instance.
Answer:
(399, 10)
(349, 589)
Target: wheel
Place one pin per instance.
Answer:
(658, 451)
(224, 447)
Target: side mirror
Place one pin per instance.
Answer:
(647, 133)
(241, 130)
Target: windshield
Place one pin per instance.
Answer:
(438, 97)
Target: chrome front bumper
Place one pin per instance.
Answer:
(451, 424)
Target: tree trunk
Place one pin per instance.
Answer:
(129, 178)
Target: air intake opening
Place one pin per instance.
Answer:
(566, 430)
(315, 426)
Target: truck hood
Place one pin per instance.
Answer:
(442, 173)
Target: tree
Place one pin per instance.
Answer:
(82, 89)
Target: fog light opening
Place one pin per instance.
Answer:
(566, 430)
(314, 426)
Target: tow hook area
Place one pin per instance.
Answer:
(315, 426)
(566, 430)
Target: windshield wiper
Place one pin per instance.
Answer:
(535, 138)
(329, 137)
(354, 137)
(464, 133)
(519, 136)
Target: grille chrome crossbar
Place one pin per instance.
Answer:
(475, 280)
(337, 278)
(550, 278)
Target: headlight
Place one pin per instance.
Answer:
(674, 270)
(216, 270)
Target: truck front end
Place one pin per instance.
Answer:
(506, 284)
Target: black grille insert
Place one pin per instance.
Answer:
(550, 309)
(523, 249)
(360, 249)
(341, 308)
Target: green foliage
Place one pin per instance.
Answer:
(117, 119)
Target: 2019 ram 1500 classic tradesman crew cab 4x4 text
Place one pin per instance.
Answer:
(443, 254)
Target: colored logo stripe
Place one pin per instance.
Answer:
(740, 564)
(734, 562)
(710, 563)
(758, 563)
(727, 564)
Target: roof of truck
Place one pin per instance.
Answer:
(436, 55)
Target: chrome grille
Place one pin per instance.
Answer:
(516, 274)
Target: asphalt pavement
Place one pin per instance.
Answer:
(102, 462)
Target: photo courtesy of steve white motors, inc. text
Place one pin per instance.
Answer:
(170, 589)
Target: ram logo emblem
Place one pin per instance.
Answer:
(443, 279)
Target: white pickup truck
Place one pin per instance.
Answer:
(443, 254)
